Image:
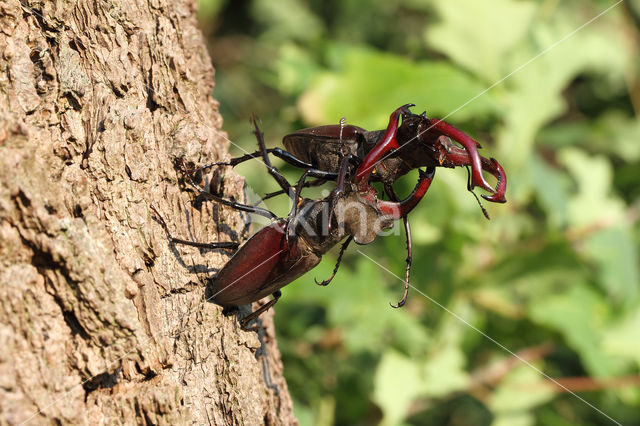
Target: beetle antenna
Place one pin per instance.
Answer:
(470, 189)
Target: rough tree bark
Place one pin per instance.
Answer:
(101, 320)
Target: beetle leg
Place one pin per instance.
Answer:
(338, 191)
(296, 195)
(407, 231)
(278, 152)
(255, 314)
(296, 162)
(264, 153)
(309, 184)
(219, 245)
(232, 162)
(333, 274)
(400, 209)
(321, 175)
(233, 204)
(282, 181)
(386, 144)
(290, 232)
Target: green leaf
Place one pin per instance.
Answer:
(444, 372)
(477, 35)
(371, 84)
(623, 339)
(303, 414)
(593, 203)
(287, 19)
(517, 394)
(620, 134)
(445, 365)
(613, 132)
(208, 9)
(616, 254)
(295, 68)
(357, 302)
(540, 68)
(397, 385)
(400, 380)
(514, 419)
(579, 315)
(552, 189)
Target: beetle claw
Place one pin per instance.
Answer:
(399, 305)
(404, 296)
(324, 282)
(406, 107)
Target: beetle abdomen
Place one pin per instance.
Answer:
(261, 266)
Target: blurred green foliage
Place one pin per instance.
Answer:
(553, 277)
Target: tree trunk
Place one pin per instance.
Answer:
(101, 319)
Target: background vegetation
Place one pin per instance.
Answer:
(554, 276)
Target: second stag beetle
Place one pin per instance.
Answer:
(414, 142)
(391, 153)
(409, 142)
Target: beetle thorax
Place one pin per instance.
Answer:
(311, 223)
(354, 214)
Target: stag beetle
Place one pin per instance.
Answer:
(417, 142)
(383, 156)
(289, 247)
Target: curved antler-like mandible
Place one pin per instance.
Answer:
(475, 159)
(385, 145)
(450, 155)
(493, 167)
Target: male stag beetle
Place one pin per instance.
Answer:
(381, 155)
(289, 247)
(417, 142)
